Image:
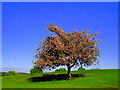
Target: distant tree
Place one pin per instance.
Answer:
(4, 74)
(9, 73)
(61, 69)
(36, 70)
(81, 68)
(68, 49)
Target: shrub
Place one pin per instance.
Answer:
(80, 68)
(61, 69)
(12, 73)
(4, 74)
(36, 70)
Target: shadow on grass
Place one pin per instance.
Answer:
(53, 77)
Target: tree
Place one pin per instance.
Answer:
(36, 70)
(81, 68)
(61, 69)
(12, 73)
(68, 49)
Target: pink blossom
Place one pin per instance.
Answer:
(55, 26)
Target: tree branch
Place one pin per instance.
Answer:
(72, 65)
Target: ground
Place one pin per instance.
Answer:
(104, 78)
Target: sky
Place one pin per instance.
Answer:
(24, 25)
(60, 0)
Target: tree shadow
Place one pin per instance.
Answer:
(53, 77)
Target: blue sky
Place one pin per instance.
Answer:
(24, 24)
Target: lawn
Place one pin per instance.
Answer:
(104, 78)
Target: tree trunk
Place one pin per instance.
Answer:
(81, 64)
(68, 72)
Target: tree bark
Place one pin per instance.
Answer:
(81, 65)
(68, 72)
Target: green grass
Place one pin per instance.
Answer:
(106, 78)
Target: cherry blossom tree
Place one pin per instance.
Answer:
(67, 49)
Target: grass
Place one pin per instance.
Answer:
(105, 78)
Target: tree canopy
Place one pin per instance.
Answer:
(68, 49)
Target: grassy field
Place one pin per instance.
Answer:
(105, 78)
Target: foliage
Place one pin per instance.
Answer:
(68, 49)
(81, 68)
(61, 69)
(9, 73)
(36, 70)
(4, 74)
